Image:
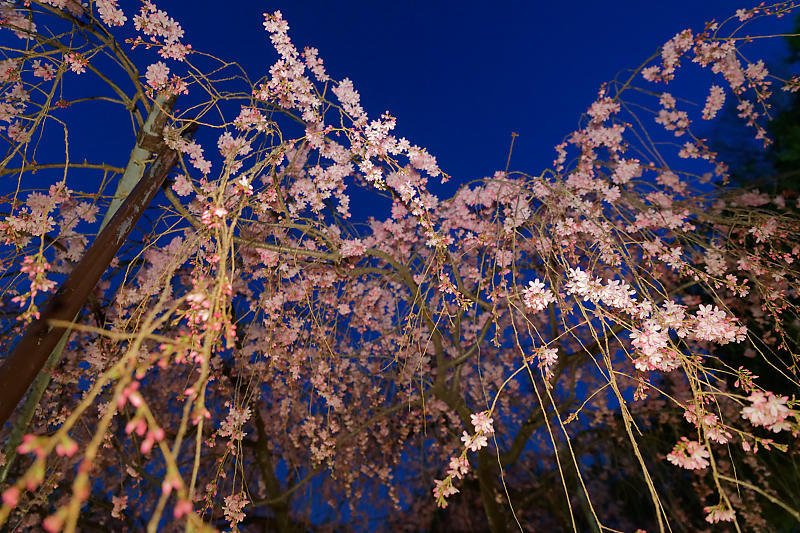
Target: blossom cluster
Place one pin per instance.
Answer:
(670, 117)
(233, 508)
(689, 454)
(714, 102)
(162, 29)
(110, 12)
(232, 425)
(157, 77)
(76, 62)
(652, 343)
(713, 324)
(651, 338)
(536, 296)
(191, 148)
(546, 357)
(722, 57)
(459, 466)
(370, 141)
(616, 293)
(770, 411)
(36, 268)
(287, 83)
(15, 19)
(719, 513)
(708, 422)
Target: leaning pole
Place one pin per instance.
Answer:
(29, 355)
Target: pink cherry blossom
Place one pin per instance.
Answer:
(233, 509)
(458, 467)
(157, 74)
(714, 102)
(77, 62)
(110, 12)
(768, 410)
(719, 513)
(474, 442)
(689, 454)
(442, 490)
(483, 423)
(162, 29)
(536, 297)
(303, 322)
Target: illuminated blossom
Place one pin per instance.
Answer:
(111, 14)
(767, 410)
(77, 62)
(689, 454)
(714, 102)
(719, 513)
(353, 248)
(162, 29)
(233, 508)
(483, 423)
(182, 185)
(458, 467)
(120, 504)
(713, 324)
(157, 74)
(442, 489)
(474, 442)
(536, 297)
(232, 425)
(44, 71)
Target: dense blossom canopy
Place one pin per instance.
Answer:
(610, 344)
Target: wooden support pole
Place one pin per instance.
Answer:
(29, 355)
(148, 141)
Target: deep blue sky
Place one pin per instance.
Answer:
(461, 76)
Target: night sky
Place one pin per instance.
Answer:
(461, 76)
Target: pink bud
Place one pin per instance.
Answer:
(173, 482)
(71, 447)
(183, 507)
(136, 399)
(147, 445)
(24, 447)
(53, 523)
(11, 496)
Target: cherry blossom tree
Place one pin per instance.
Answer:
(207, 339)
